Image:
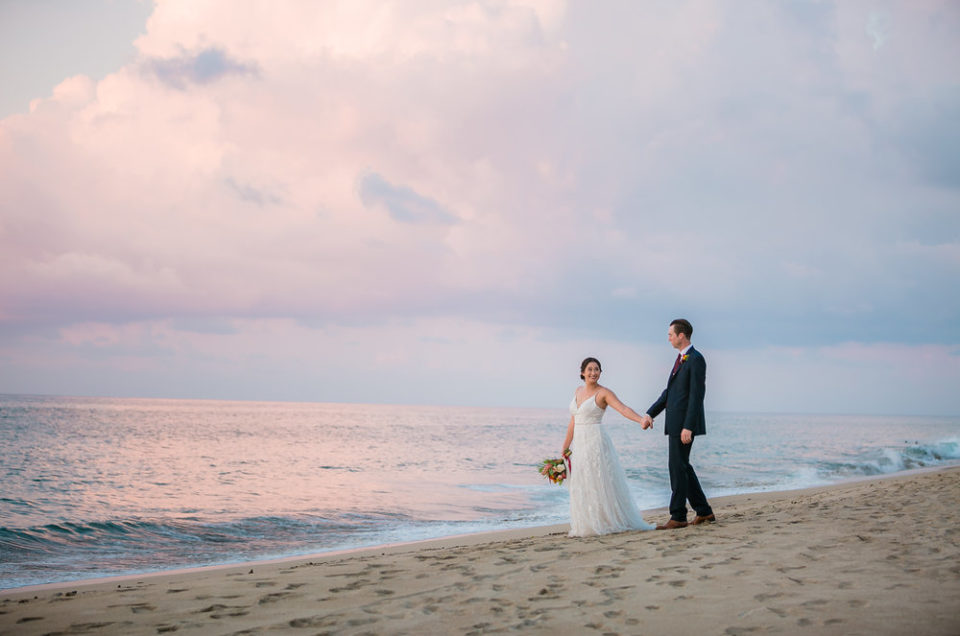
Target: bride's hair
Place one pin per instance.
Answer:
(586, 361)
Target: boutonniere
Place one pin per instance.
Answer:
(684, 358)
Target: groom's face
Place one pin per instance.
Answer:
(677, 340)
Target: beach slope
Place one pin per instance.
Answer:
(879, 556)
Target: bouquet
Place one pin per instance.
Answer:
(556, 469)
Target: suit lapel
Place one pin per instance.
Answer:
(673, 376)
(683, 363)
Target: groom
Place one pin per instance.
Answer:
(683, 399)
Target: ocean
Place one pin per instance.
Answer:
(93, 487)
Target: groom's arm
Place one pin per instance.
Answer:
(657, 407)
(698, 389)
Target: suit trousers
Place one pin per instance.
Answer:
(684, 483)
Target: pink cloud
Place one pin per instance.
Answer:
(539, 164)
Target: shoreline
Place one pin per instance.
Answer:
(868, 556)
(458, 540)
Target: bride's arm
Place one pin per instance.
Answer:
(566, 442)
(611, 398)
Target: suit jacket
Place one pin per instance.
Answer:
(683, 397)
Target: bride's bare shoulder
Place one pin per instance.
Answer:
(602, 394)
(607, 395)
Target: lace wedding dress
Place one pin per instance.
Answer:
(600, 501)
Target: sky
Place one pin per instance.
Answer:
(427, 202)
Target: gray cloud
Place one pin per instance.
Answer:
(929, 135)
(251, 194)
(404, 204)
(203, 67)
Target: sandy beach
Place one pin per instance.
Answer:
(879, 556)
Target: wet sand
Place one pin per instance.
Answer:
(879, 556)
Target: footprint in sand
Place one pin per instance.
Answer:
(544, 594)
(218, 610)
(356, 622)
(606, 571)
(386, 574)
(91, 627)
(136, 608)
(615, 594)
(352, 586)
(596, 626)
(216, 607)
(273, 597)
(315, 621)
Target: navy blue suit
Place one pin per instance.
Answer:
(683, 400)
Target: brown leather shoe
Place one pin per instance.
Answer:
(670, 525)
(710, 518)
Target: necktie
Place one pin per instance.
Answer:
(676, 365)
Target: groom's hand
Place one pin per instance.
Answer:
(686, 436)
(647, 422)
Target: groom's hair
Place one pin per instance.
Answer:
(586, 361)
(682, 325)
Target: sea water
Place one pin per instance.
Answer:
(93, 487)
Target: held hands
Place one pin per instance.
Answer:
(647, 422)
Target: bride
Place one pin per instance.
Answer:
(600, 501)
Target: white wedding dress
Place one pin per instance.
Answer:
(600, 501)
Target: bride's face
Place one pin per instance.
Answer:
(591, 373)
